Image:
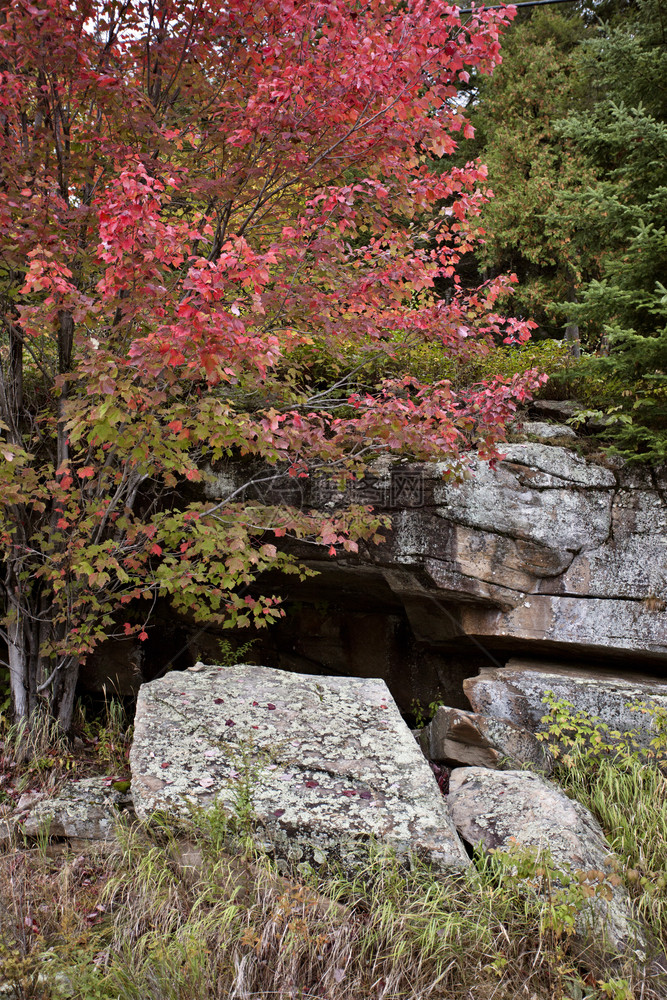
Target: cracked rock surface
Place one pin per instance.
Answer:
(546, 549)
(548, 546)
(327, 762)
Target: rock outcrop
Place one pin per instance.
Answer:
(511, 810)
(547, 552)
(546, 548)
(323, 763)
(517, 692)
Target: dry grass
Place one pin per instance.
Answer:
(629, 798)
(199, 919)
(193, 913)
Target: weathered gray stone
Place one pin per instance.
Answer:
(556, 409)
(498, 809)
(547, 432)
(454, 736)
(327, 761)
(86, 810)
(516, 693)
(28, 800)
(546, 547)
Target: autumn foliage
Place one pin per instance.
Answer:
(191, 192)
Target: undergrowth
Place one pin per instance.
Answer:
(188, 923)
(192, 910)
(622, 778)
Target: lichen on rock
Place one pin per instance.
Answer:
(325, 763)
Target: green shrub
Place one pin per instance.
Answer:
(316, 370)
(624, 783)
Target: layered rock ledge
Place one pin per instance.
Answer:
(548, 550)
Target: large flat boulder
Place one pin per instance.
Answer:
(516, 693)
(519, 809)
(326, 763)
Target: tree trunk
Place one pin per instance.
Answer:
(572, 329)
(17, 655)
(64, 712)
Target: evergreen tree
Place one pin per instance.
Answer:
(529, 227)
(624, 138)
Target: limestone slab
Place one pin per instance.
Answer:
(328, 762)
(516, 692)
(86, 809)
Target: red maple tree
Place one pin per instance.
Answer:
(193, 193)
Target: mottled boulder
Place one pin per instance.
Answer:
(454, 736)
(556, 409)
(327, 762)
(516, 693)
(515, 809)
(86, 810)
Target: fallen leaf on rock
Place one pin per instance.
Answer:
(206, 782)
(271, 707)
(348, 792)
(166, 763)
(278, 813)
(311, 784)
(365, 795)
(218, 701)
(230, 722)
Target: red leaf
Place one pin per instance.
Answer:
(271, 708)
(86, 473)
